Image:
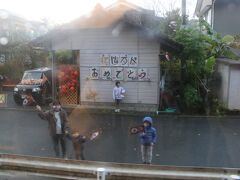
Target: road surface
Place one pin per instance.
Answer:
(182, 141)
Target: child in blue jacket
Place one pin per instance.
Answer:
(148, 139)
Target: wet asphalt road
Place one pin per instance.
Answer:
(182, 141)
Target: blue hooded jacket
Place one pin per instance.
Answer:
(149, 135)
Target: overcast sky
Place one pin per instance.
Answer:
(61, 11)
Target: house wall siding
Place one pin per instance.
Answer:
(94, 42)
(226, 16)
(230, 82)
(234, 98)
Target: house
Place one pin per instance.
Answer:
(222, 15)
(228, 93)
(115, 43)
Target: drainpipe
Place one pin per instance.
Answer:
(183, 60)
(159, 81)
(101, 174)
(53, 64)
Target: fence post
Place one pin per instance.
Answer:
(101, 174)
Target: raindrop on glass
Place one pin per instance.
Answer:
(235, 177)
(3, 15)
(3, 41)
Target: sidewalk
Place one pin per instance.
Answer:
(97, 109)
(107, 110)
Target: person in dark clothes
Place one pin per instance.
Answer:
(78, 144)
(78, 141)
(58, 125)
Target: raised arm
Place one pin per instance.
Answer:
(41, 114)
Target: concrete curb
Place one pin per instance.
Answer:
(77, 169)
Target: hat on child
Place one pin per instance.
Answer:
(147, 119)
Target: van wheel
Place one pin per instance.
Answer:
(18, 101)
(44, 97)
(43, 100)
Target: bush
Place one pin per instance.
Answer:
(193, 100)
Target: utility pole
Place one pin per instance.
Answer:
(183, 60)
(53, 75)
(184, 12)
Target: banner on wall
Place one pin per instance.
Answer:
(119, 67)
(114, 60)
(106, 73)
(117, 74)
(104, 59)
(133, 60)
(94, 73)
(123, 60)
(131, 74)
(143, 74)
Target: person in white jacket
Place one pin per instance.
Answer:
(118, 95)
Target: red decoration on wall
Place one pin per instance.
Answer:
(68, 78)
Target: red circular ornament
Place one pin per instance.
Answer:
(75, 73)
(72, 89)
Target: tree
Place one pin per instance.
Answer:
(19, 54)
(201, 47)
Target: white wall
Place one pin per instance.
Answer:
(205, 5)
(230, 83)
(234, 86)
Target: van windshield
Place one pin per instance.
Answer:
(32, 75)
